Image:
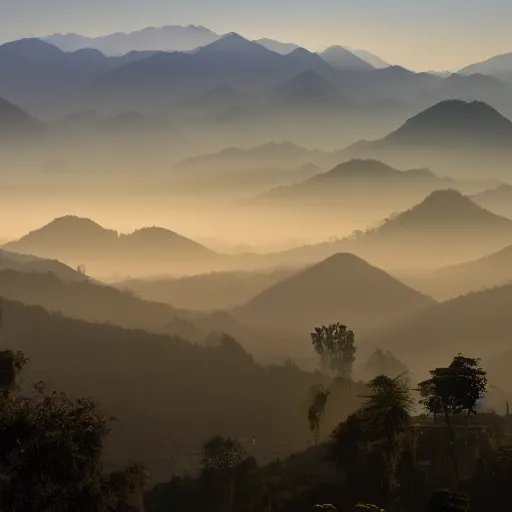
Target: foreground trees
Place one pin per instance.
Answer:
(453, 391)
(368, 446)
(50, 451)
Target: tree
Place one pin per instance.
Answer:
(386, 416)
(222, 456)
(335, 345)
(454, 390)
(316, 411)
(50, 451)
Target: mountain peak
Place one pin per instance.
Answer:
(30, 49)
(313, 297)
(454, 121)
(446, 208)
(232, 42)
(340, 58)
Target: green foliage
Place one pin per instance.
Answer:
(335, 345)
(446, 501)
(455, 389)
(316, 410)
(326, 507)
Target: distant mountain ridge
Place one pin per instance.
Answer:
(450, 327)
(272, 153)
(455, 280)
(231, 59)
(443, 229)
(72, 237)
(340, 58)
(169, 38)
(309, 89)
(499, 66)
(31, 264)
(452, 122)
(497, 200)
(16, 122)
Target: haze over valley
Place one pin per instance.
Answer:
(276, 264)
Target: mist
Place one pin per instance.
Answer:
(249, 253)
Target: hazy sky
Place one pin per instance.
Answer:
(420, 34)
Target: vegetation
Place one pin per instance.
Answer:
(316, 410)
(454, 390)
(335, 345)
(50, 451)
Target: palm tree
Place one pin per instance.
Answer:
(386, 416)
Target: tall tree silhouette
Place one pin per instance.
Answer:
(335, 345)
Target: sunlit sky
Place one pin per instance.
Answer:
(419, 34)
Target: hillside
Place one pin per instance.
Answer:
(16, 122)
(277, 46)
(362, 184)
(497, 200)
(93, 302)
(309, 89)
(274, 155)
(477, 324)
(208, 292)
(79, 239)
(445, 228)
(499, 66)
(221, 389)
(451, 281)
(33, 265)
(458, 138)
(454, 122)
(342, 288)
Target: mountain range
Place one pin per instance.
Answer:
(284, 155)
(148, 76)
(169, 38)
(455, 280)
(363, 186)
(72, 238)
(445, 228)
(231, 59)
(497, 200)
(206, 292)
(455, 326)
